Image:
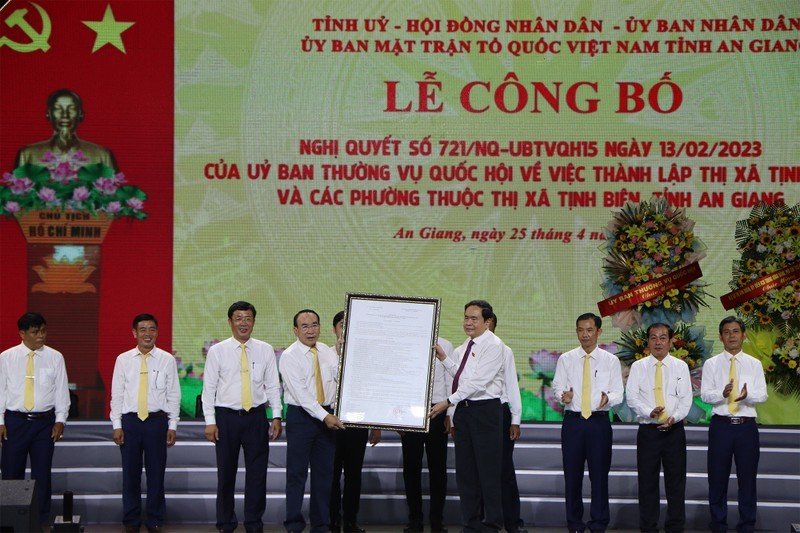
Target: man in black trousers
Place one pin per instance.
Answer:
(477, 370)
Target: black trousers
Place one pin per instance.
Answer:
(30, 437)
(350, 447)
(511, 506)
(586, 441)
(249, 432)
(434, 445)
(309, 443)
(655, 449)
(728, 442)
(479, 456)
(145, 445)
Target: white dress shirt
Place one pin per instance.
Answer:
(606, 374)
(482, 377)
(163, 389)
(441, 383)
(50, 388)
(715, 377)
(299, 386)
(511, 393)
(222, 377)
(677, 388)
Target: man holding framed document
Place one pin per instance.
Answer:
(308, 368)
(477, 371)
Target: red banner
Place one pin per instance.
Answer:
(760, 286)
(651, 289)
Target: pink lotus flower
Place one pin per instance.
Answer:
(49, 159)
(119, 178)
(106, 186)
(12, 207)
(47, 195)
(113, 208)
(80, 194)
(64, 173)
(135, 203)
(20, 185)
(78, 159)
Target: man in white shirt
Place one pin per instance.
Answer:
(659, 391)
(239, 380)
(733, 383)
(145, 409)
(34, 403)
(477, 371)
(588, 381)
(512, 416)
(434, 445)
(309, 371)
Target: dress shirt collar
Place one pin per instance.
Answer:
(728, 356)
(307, 349)
(653, 361)
(480, 338)
(151, 353)
(40, 351)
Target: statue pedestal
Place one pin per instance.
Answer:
(64, 285)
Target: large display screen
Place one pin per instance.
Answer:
(286, 153)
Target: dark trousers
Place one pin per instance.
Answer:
(586, 441)
(727, 442)
(434, 445)
(30, 438)
(308, 442)
(349, 458)
(655, 449)
(148, 439)
(250, 432)
(510, 490)
(479, 456)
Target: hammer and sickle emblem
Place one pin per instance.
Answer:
(38, 39)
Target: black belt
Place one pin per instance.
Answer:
(31, 416)
(476, 403)
(657, 426)
(579, 415)
(154, 414)
(243, 412)
(734, 420)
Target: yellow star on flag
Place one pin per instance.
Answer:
(109, 31)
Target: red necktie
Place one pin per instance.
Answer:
(463, 362)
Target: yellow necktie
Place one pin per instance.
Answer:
(733, 405)
(142, 405)
(658, 388)
(586, 389)
(247, 397)
(317, 376)
(29, 373)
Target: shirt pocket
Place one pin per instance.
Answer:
(46, 377)
(159, 379)
(257, 371)
(328, 373)
(601, 381)
(675, 387)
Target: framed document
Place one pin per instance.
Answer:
(386, 368)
